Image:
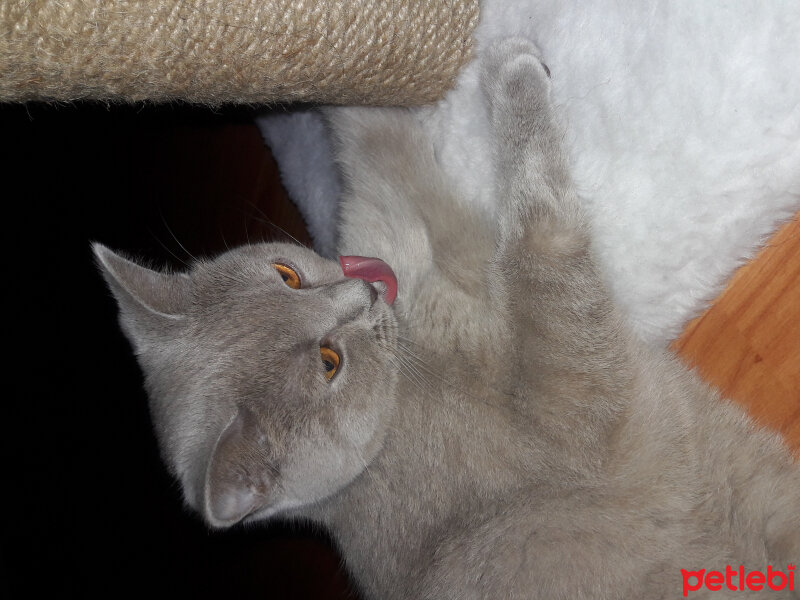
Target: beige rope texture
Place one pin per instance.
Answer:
(234, 51)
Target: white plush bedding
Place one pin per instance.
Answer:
(683, 126)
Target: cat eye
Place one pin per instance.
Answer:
(330, 360)
(289, 275)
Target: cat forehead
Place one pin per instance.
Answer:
(241, 295)
(266, 253)
(254, 263)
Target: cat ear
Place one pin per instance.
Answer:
(148, 300)
(236, 479)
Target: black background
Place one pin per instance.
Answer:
(89, 510)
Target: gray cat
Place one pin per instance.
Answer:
(495, 432)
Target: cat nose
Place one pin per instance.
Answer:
(353, 294)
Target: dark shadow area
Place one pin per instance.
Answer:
(90, 511)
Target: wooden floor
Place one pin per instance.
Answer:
(748, 342)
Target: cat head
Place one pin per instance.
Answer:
(270, 374)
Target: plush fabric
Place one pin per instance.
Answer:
(682, 123)
(242, 51)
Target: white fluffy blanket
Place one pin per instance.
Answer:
(683, 127)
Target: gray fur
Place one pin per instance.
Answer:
(498, 432)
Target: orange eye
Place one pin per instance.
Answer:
(289, 275)
(330, 359)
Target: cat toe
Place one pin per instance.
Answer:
(503, 51)
(513, 67)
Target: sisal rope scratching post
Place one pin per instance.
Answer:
(234, 51)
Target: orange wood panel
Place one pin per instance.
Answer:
(748, 342)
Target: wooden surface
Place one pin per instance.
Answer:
(748, 342)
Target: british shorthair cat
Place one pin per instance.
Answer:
(468, 414)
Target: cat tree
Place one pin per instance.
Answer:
(234, 51)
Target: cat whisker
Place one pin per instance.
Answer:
(267, 221)
(164, 221)
(417, 361)
(247, 233)
(408, 373)
(364, 462)
(414, 364)
(168, 249)
(231, 277)
(401, 369)
(422, 368)
(415, 370)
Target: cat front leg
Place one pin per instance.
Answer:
(568, 346)
(534, 184)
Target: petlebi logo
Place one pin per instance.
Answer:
(738, 579)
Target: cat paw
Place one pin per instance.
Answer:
(512, 69)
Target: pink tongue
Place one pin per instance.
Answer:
(371, 270)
